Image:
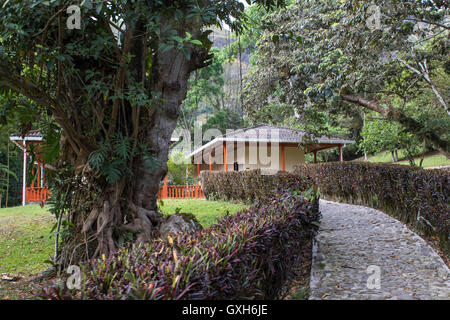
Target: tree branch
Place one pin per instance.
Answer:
(410, 124)
(425, 74)
(32, 92)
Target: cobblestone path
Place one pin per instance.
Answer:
(361, 253)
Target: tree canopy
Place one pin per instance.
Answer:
(333, 56)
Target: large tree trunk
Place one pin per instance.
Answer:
(102, 215)
(130, 205)
(158, 132)
(410, 124)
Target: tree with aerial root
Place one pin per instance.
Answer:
(105, 81)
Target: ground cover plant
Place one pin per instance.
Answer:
(26, 240)
(248, 255)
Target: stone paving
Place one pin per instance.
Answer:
(361, 253)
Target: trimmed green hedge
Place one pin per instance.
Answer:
(417, 197)
(250, 186)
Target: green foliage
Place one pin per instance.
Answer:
(250, 255)
(205, 92)
(223, 120)
(311, 194)
(61, 187)
(111, 159)
(178, 165)
(110, 93)
(94, 81)
(250, 186)
(205, 85)
(10, 168)
(4, 171)
(51, 135)
(312, 52)
(380, 135)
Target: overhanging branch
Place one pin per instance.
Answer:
(32, 92)
(410, 124)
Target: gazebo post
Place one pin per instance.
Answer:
(341, 159)
(38, 173)
(283, 159)
(225, 162)
(210, 161)
(315, 156)
(164, 193)
(24, 176)
(43, 174)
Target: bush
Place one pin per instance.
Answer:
(250, 255)
(250, 186)
(417, 197)
(177, 165)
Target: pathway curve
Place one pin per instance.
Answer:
(357, 243)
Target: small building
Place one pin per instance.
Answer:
(37, 190)
(265, 147)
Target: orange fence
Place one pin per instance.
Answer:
(181, 192)
(33, 194)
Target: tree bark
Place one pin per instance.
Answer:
(397, 115)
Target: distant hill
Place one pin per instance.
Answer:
(221, 38)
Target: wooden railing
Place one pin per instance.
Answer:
(181, 192)
(33, 194)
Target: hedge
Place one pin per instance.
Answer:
(250, 255)
(250, 186)
(417, 197)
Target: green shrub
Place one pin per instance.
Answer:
(250, 255)
(417, 197)
(250, 186)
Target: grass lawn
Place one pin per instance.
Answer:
(25, 239)
(430, 160)
(435, 160)
(206, 212)
(26, 242)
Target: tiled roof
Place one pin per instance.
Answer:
(31, 135)
(280, 134)
(37, 135)
(269, 133)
